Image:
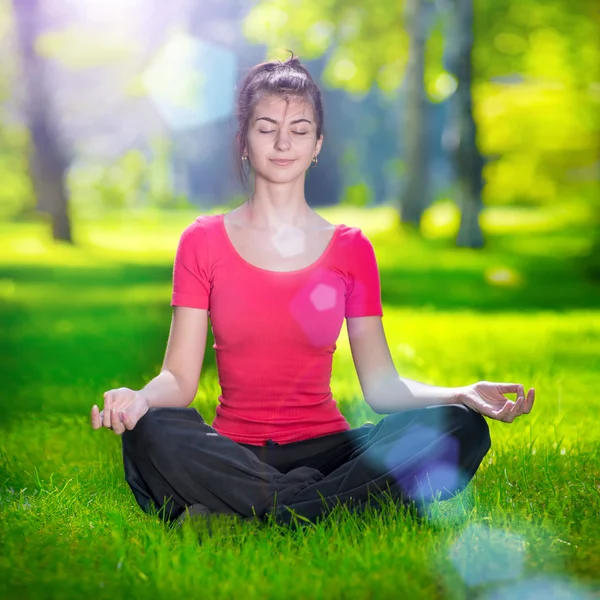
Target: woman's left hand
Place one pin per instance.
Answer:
(487, 398)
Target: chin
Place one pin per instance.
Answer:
(282, 176)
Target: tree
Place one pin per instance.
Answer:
(466, 157)
(415, 194)
(47, 162)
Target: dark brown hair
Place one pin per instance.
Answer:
(287, 79)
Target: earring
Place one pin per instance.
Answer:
(315, 160)
(244, 157)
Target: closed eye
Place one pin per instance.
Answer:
(272, 130)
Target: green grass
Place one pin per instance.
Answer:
(78, 321)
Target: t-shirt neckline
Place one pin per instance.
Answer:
(296, 271)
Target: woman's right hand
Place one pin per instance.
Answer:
(123, 408)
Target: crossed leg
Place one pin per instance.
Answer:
(173, 459)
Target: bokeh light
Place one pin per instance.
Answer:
(323, 297)
(191, 82)
(427, 463)
(542, 588)
(483, 555)
(289, 241)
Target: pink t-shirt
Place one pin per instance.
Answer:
(275, 332)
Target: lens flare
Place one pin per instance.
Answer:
(484, 555)
(191, 82)
(548, 588)
(289, 241)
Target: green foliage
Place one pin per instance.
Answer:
(359, 194)
(545, 148)
(80, 320)
(116, 186)
(439, 84)
(366, 50)
(542, 128)
(131, 182)
(159, 175)
(551, 40)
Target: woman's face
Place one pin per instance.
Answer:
(282, 131)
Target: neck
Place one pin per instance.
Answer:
(273, 206)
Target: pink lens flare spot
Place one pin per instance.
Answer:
(323, 297)
(318, 308)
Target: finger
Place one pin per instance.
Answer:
(509, 388)
(107, 407)
(513, 409)
(128, 421)
(529, 401)
(501, 415)
(117, 424)
(517, 409)
(95, 417)
(520, 392)
(524, 409)
(512, 413)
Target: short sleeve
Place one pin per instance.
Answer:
(363, 286)
(191, 281)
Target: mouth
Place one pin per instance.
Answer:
(282, 163)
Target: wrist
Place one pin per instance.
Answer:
(460, 394)
(144, 396)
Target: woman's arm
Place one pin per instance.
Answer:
(177, 383)
(383, 389)
(386, 392)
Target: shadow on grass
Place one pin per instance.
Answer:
(545, 286)
(544, 282)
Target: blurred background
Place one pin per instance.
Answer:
(118, 107)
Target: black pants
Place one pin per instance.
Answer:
(172, 459)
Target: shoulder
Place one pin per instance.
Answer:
(200, 226)
(353, 238)
(194, 240)
(357, 252)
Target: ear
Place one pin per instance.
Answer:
(318, 145)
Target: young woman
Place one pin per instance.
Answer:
(277, 281)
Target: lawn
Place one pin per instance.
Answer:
(79, 321)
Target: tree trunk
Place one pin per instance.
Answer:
(414, 198)
(467, 160)
(47, 163)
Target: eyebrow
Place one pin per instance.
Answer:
(292, 123)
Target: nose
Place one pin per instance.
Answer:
(282, 141)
